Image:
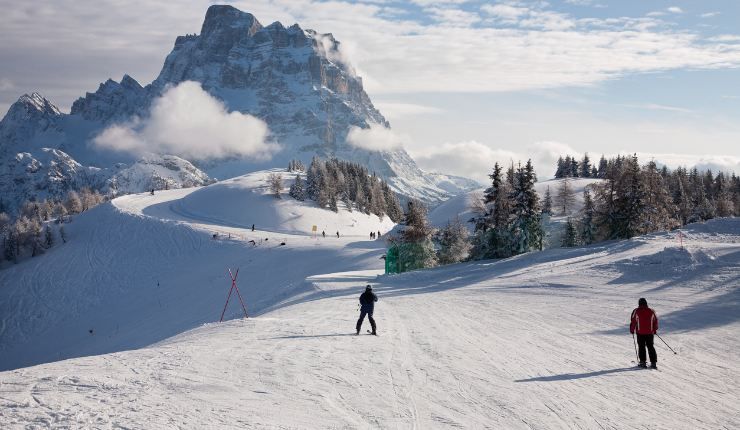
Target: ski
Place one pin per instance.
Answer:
(369, 332)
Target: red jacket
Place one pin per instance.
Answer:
(644, 321)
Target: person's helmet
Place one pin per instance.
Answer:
(642, 302)
(368, 288)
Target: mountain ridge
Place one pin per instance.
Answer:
(295, 80)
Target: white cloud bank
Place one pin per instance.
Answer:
(188, 121)
(375, 138)
(475, 160)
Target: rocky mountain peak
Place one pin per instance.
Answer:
(34, 104)
(224, 26)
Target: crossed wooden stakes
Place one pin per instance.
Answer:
(234, 287)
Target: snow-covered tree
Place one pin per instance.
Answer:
(298, 189)
(588, 228)
(417, 250)
(454, 244)
(547, 202)
(658, 209)
(565, 197)
(585, 167)
(569, 236)
(275, 183)
(73, 203)
(526, 230)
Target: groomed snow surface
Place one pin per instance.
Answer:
(536, 341)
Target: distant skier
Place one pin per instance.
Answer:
(337, 234)
(378, 236)
(323, 233)
(644, 321)
(372, 235)
(252, 227)
(152, 192)
(367, 304)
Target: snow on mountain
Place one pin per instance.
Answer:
(157, 172)
(295, 80)
(33, 167)
(539, 340)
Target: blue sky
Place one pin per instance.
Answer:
(464, 83)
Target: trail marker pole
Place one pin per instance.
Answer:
(234, 287)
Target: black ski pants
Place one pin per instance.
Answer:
(646, 340)
(362, 318)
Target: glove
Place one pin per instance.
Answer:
(632, 332)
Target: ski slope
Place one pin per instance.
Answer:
(143, 268)
(536, 341)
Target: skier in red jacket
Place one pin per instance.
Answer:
(645, 322)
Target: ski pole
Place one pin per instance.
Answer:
(635, 343)
(666, 344)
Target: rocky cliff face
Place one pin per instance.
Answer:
(295, 80)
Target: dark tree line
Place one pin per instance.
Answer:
(329, 182)
(570, 167)
(34, 229)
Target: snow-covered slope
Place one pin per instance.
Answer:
(536, 341)
(246, 200)
(143, 267)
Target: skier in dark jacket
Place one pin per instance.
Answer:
(367, 304)
(644, 321)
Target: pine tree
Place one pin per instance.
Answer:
(298, 189)
(603, 165)
(630, 200)
(573, 168)
(313, 177)
(526, 233)
(658, 211)
(569, 237)
(547, 203)
(393, 206)
(560, 169)
(417, 251)
(588, 228)
(723, 196)
(454, 243)
(585, 166)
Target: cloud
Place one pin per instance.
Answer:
(658, 107)
(394, 110)
(725, 163)
(375, 138)
(475, 160)
(541, 48)
(6, 84)
(188, 121)
(453, 17)
(674, 9)
(709, 15)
